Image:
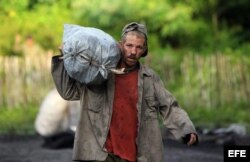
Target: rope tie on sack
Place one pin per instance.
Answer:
(93, 62)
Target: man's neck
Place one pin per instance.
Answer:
(128, 69)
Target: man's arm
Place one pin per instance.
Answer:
(175, 118)
(67, 87)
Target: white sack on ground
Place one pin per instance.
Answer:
(52, 115)
(56, 115)
(89, 53)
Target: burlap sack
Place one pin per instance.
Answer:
(88, 53)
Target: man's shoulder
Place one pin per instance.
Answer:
(146, 70)
(56, 58)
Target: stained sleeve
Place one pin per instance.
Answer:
(174, 118)
(68, 88)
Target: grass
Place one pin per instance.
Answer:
(220, 117)
(18, 120)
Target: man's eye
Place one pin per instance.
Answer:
(129, 45)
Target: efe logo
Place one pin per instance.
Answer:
(236, 153)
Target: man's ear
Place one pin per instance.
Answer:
(120, 44)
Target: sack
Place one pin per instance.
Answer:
(89, 53)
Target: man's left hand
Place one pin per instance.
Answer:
(193, 139)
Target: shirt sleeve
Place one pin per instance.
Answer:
(174, 118)
(68, 88)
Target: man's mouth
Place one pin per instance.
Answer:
(132, 59)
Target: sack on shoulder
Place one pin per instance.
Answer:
(89, 53)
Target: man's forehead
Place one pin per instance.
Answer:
(135, 38)
(135, 34)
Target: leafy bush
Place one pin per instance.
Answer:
(18, 120)
(197, 25)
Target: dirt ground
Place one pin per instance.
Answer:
(29, 149)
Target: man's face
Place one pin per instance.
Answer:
(132, 49)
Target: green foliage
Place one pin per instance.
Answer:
(197, 25)
(18, 120)
(40, 19)
(210, 81)
(220, 117)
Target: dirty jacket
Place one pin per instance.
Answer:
(96, 111)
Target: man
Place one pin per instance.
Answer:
(119, 118)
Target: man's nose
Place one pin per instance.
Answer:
(133, 51)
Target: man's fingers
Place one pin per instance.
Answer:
(192, 139)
